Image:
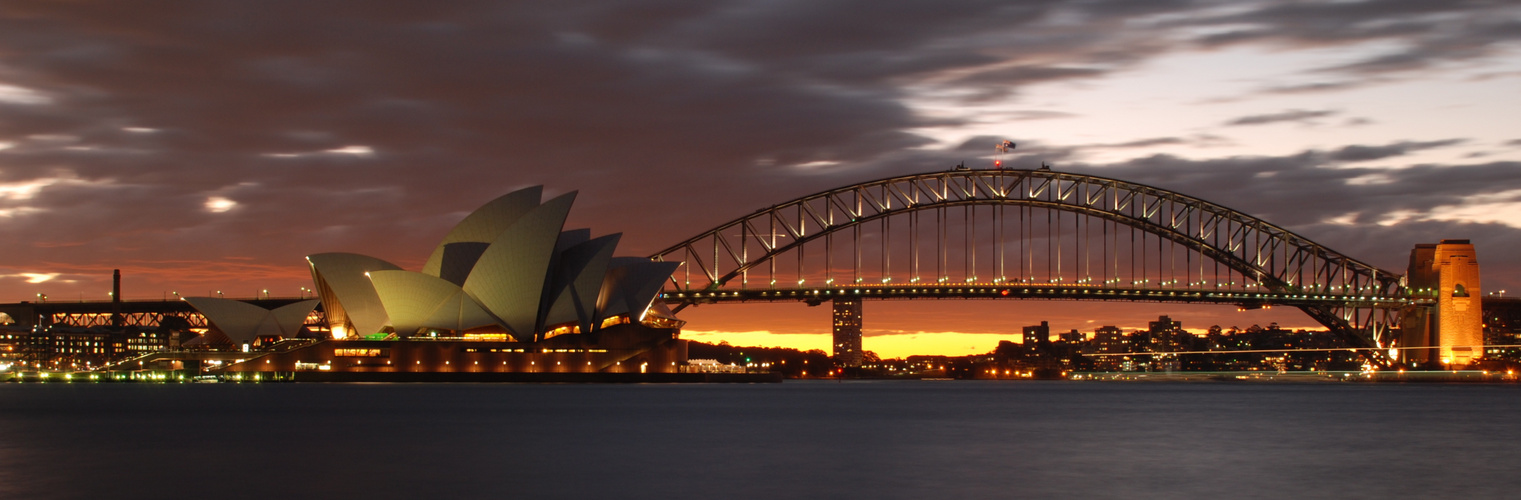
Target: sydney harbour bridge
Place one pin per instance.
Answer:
(1031, 234)
(981, 234)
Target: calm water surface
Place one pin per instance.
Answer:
(865, 439)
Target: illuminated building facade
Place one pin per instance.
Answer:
(508, 291)
(1451, 331)
(624, 350)
(82, 346)
(508, 271)
(1110, 339)
(1166, 335)
(847, 332)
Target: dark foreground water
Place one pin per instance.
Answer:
(898, 439)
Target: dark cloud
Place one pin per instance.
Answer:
(1025, 75)
(1028, 115)
(121, 122)
(1494, 75)
(1031, 153)
(448, 102)
(1294, 115)
(999, 82)
(1307, 88)
(1355, 211)
(1365, 153)
(1428, 33)
(1146, 143)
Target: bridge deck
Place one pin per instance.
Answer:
(1001, 291)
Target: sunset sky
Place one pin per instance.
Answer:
(208, 145)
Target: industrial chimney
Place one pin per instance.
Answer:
(116, 319)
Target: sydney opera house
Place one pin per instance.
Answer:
(507, 295)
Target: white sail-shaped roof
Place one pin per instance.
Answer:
(459, 259)
(348, 298)
(291, 317)
(415, 301)
(239, 320)
(509, 263)
(572, 237)
(509, 278)
(573, 291)
(630, 285)
(242, 322)
(567, 239)
(659, 309)
(481, 226)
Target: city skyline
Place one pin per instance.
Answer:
(208, 147)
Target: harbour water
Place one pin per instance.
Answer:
(856, 439)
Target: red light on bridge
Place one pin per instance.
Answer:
(1005, 293)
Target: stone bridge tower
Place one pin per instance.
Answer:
(1452, 329)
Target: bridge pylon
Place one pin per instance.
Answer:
(1449, 329)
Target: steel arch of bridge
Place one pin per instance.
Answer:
(1348, 296)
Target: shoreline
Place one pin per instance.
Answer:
(1444, 376)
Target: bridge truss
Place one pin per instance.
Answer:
(1029, 234)
(134, 313)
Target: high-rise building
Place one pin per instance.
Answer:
(1109, 340)
(1165, 334)
(847, 332)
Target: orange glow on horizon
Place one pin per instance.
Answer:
(885, 346)
(896, 329)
